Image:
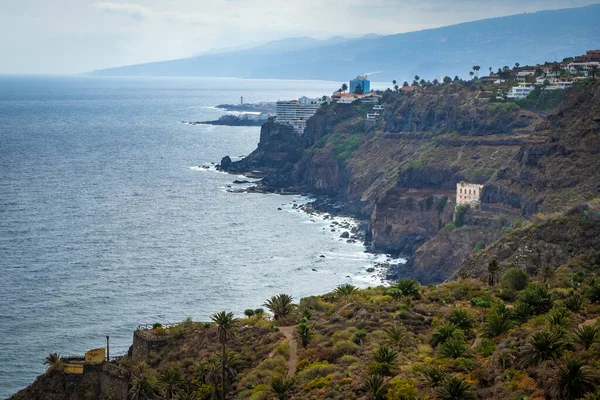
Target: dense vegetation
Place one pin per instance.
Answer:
(506, 335)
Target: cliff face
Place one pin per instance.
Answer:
(553, 240)
(395, 171)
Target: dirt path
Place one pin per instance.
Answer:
(288, 332)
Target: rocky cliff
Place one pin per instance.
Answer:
(395, 171)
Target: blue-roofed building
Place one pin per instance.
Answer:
(361, 81)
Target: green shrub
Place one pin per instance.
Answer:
(316, 370)
(249, 312)
(480, 245)
(344, 347)
(515, 279)
(484, 302)
(486, 348)
(537, 298)
(459, 215)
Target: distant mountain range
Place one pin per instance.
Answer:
(452, 50)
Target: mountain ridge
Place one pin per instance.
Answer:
(492, 42)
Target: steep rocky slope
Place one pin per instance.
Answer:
(396, 171)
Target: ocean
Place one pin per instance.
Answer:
(108, 219)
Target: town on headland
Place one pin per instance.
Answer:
(489, 187)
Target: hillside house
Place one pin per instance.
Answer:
(468, 193)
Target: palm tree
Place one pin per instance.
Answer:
(498, 321)
(375, 387)
(226, 325)
(397, 335)
(54, 362)
(517, 65)
(281, 386)
(547, 271)
(209, 373)
(593, 71)
(345, 290)
(455, 388)
(143, 389)
(574, 380)
(281, 305)
(171, 380)
(471, 74)
(443, 333)
(434, 376)
(417, 78)
(476, 68)
(491, 69)
(394, 83)
(408, 287)
(493, 272)
(454, 347)
(305, 333)
(587, 335)
(543, 346)
(344, 87)
(396, 88)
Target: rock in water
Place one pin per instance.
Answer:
(345, 235)
(225, 162)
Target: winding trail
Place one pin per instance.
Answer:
(288, 332)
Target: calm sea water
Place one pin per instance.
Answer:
(106, 221)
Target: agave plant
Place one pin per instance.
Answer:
(543, 346)
(587, 335)
(385, 355)
(443, 333)
(280, 305)
(574, 380)
(281, 386)
(498, 321)
(375, 387)
(455, 388)
(345, 290)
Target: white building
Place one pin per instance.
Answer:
(468, 193)
(583, 67)
(372, 116)
(295, 113)
(522, 75)
(520, 92)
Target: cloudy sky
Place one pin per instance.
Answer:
(71, 36)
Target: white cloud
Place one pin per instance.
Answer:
(136, 11)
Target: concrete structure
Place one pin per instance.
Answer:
(295, 113)
(347, 99)
(468, 193)
(520, 92)
(582, 67)
(377, 107)
(372, 116)
(361, 81)
(370, 98)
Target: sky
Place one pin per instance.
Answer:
(73, 36)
